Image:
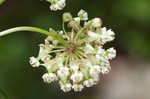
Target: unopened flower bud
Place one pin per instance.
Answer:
(49, 77)
(89, 83)
(110, 53)
(65, 87)
(34, 62)
(63, 73)
(77, 87)
(67, 17)
(77, 77)
(97, 22)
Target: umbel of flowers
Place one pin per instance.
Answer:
(80, 65)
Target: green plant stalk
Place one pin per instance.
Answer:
(35, 29)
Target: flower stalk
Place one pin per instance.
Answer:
(35, 29)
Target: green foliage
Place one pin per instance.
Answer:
(1, 1)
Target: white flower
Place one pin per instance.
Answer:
(49, 77)
(96, 22)
(77, 77)
(111, 53)
(54, 7)
(88, 24)
(100, 51)
(104, 70)
(83, 15)
(63, 73)
(93, 36)
(61, 32)
(107, 35)
(100, 55)
(89, 49)
(65, 87)
(89, 83)
(77, 87)
(61, 4)
(50, 65)
(77, 20)
(96, 78)
(44, 52)
(86, 63)
(95, 70)
(74, 66)
(57, 4)
(34, 62)
(60, 61)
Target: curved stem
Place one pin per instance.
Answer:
(35, 29)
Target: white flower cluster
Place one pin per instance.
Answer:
(79, 66)
(57, 4)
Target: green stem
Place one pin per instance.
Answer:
(35, 29)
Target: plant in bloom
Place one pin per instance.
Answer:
(79, 65)
(57, 4)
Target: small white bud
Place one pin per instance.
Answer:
(74, 66)
(104, 70)
(96, 78)
(111, 53)
(107, 35)
(63, 73)
(89, 83)
(60, 61)
(95, 70)
(77, 87)
(89, 49)
(34, 62)
(96, 22)
(57, 4)
(77, 20)
(83, 15)
(44, 52)
(61, 4)
(49, 77)
(93, 36)
(77, 77)
(67, 17)
(65, 87)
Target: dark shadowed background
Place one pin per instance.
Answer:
(130, 75)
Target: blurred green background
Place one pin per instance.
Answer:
(130, 19)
